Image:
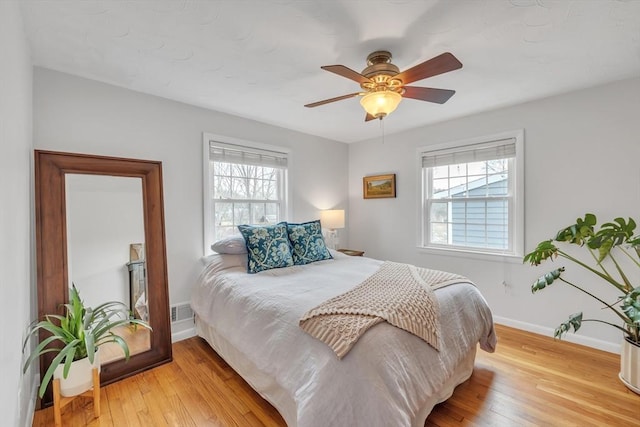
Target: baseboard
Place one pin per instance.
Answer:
(183, 335)
(574, 338)
(33, 398)
(529, 327)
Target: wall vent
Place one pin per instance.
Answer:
(180, 312)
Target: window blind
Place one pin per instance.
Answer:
(493, 150)
(229, 153)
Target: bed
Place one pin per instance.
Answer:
(389, 378)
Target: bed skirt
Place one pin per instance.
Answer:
(272, 392)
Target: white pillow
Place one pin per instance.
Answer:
(218, 262)
(230, 245)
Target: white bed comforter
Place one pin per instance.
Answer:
(385, 379)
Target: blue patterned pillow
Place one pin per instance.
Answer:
(268, 246)
(307, 242)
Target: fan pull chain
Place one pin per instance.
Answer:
(382, 129)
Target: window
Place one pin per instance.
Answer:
(245, 183)
(472, 195)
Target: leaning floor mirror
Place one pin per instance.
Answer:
(100, 228)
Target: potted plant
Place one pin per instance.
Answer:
(612, 246)
(78, 335)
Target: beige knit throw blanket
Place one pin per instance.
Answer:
(400, 294)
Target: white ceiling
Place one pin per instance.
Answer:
(261, 59)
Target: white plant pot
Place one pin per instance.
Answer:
(630, 365)
(80, 378)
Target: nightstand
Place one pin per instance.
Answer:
(351, 252)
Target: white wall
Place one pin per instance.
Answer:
(79, 115)
(582, 152)
(17, 289)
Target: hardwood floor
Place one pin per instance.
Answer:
(530, 380)
(138, 340)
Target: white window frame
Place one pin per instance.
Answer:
(208, 208)
(516, 199)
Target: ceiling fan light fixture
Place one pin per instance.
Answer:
(381, 103)
(383, 85)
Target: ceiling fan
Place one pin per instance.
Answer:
(383, 85)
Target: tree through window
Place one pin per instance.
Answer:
(247, 185)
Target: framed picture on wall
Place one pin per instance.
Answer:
(379, 186)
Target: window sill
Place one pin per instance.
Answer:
(482, 256)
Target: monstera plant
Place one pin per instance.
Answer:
(611, 246)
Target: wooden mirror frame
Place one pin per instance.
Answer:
(51, 249)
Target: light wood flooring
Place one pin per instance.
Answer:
(138, 339)
(530, 380)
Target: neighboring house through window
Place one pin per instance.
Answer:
(473, 195)
(244, 183)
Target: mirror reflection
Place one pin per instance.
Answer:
(106, 250)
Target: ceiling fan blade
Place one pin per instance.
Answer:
(439, 96)
(438, 65)
(369, 117)
(343, 71)
(337, 98)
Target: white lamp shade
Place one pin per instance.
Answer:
(332, 219)
(380, 104)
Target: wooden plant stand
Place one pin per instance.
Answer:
(60, 401)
